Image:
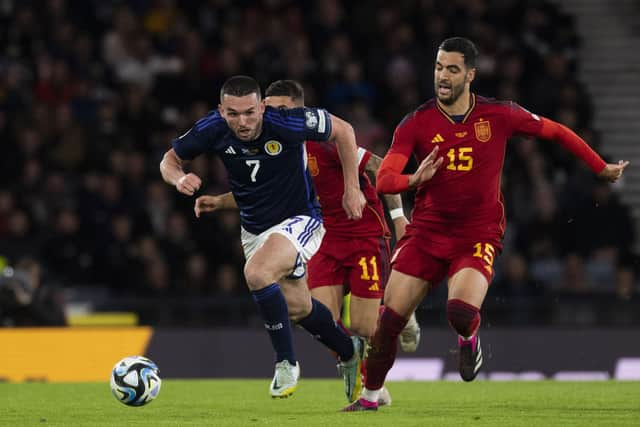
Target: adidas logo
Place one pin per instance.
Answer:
(437, 138)
(374, 287)
(230, 150)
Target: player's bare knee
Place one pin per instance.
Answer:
(364, 329)
(256, 277)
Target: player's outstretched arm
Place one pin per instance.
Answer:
(211, 203)
(353, 200)
(172, 173)
(393, 201)
(390, 177)
(578, 146)
(613, 171)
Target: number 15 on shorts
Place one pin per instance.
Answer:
(487, 252)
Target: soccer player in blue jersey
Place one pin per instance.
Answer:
(263, 151)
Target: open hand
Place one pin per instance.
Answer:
(612, 172)
(207, 204)
(426, 169)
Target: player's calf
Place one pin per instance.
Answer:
(465, 319)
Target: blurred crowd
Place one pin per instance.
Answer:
(93, 91)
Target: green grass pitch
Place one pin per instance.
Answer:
(316, 403)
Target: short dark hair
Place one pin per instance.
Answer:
(464, 46)
(290, 88)
(240, 86)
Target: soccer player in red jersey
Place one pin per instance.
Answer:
(458, 220)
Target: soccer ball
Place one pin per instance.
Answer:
(135, 381)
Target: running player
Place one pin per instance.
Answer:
(263, 151)
(458, 220)
(353, 256)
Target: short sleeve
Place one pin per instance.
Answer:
(200, 138)
(363, 157)
(523, 121)
(301, 123)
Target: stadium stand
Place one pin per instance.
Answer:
(92, 92)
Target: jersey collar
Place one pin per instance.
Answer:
(466, 115)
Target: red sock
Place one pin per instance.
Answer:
(463, 317)
(384, 346)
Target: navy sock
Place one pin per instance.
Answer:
(275, 314)
(320, 324)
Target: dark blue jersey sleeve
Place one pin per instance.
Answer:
(301, 123)
(201, 138)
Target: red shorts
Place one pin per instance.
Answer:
(360, 264)
(433, 256)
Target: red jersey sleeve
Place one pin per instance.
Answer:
(390, 179)
(528, 123)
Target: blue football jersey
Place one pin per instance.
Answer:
(268, 176)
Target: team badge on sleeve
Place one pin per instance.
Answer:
(483, 130)
(311, 119)
(273, 148)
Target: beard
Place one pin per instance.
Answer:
(454, 93)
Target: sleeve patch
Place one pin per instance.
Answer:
(322, 125)
(311, 119)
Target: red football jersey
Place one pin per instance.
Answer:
(326, 170)
(463, 198)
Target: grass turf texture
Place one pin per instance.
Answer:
(316, 402)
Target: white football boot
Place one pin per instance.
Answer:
(285, 379)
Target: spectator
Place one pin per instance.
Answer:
(91, 95)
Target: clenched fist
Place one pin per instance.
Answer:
(189, 184)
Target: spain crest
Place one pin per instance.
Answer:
(483, 130)
(312, 164)
(273, 148)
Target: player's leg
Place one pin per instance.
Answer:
(311, 313)
(316, 319)
(363, 315)
(301, 234)
(265, 266)
(470, 275)
(467, 289)
(363, 318)
(320, 324)
(368, 269)
(414, 271)
(402, 296)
